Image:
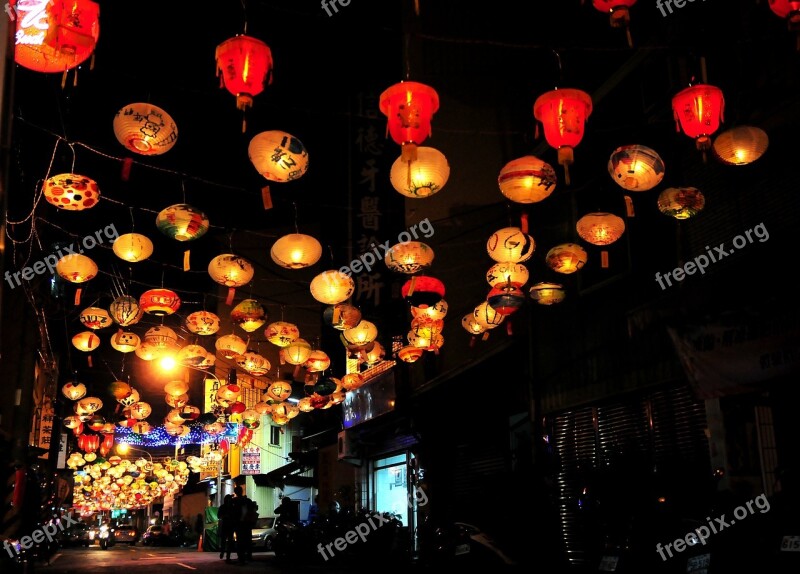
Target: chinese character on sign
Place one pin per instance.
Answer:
(368, 141)
(368, 174)
(369, 214)
(369, 288)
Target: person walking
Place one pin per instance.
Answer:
(246, 512)
(227, 523)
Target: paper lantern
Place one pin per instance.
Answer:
(131, 399)
(55, 36)
(120, 389)
(192, 356)
(281, 333)
(515, 274)
(432, 343)
(547, 293)
(229, 392)
(231, 346)
(296, 251)
(363, 333)
(161, 336)
(510, 245)
(433, 312)
(278, 156)
(141, 427)
(95, 318)
(176, 388)
(636, 167)
(202, 323)
(409, 108)
(341, 316)
(332, 287)
(148, 351)
(410, 354)
(90, 405)
(176, 401)
(409, 257)
(140, 410)
(86, 341)
(231, 270)
(74, 390)
(132, 247)
(244, 67)
(566, 258)
(527, 180)
(71, 192)
(788, 10)
(279, 391)
(189, 412)
(249, 314)
(563, 114)
(471, 325)
(88, 442)
(600, 228)
(125, 310)
(698, 111)
(182, 222)
(296, 352)
(72, 422)
(421, 177)
(741, 145)
(422, 290)
(253, 363)
(619, 11)
(160, 302)
(145, 129)
(76, 268)
(506, 299)
(681, 202)
(125, 341)
(486, 316)
(317, 361)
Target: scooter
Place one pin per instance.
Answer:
(104, 537)
(459, 542)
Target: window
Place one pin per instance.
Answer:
(275, 436)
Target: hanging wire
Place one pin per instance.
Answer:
(74, 157)
(244, 15)
(560, 68)
(296, 229)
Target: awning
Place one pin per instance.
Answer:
(288, 474)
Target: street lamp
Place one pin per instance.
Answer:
(123, 448)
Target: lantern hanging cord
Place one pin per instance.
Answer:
(244, 14)
(560, 68)
(296, 229)
(133, 220)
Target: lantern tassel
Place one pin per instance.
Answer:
(231, 293)
(89, 361)
(485, 336)
(524, 223)
(186, 264)
(604, 259)
(78, 296)
(630, 38)
(509, 330)
(64, 79)
(472, 342)
(91, 62)
(127, 163)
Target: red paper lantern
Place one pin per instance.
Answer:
(107, 444)
(244, 66)
(620, 15)
(789, 10)
(563, 114)
(423, 290)
(55, 35)
(505, 300)
(88, 442)
(159, 302)
(409, 107)
(699, 110)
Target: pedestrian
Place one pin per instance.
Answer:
(287, 511)
(246, 513)
(313, 511)
(226, 529)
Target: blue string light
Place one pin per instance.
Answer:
(160, 437)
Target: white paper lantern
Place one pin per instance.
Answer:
(145, 129)
(278, 156)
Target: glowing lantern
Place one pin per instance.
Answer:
(182, 222)
(119, 389)
(741, 145)
(681, 202)
(363, 333)
(332, 287)
(96, 422)
(636, 167)
(88, 442)
(341, 316)
(177, 430)
(160, 302)
(427, 343)
(125, 310)
(86, 341)
(193, 356)
(471, 325)
(72, 422)
(789, 10)
(176, 388)
(296, 352)
(699, 110)
(250, 418)
(566, 258)
(281, 333)
(510, 245)
(296, 251)
(95, 318)
(409, 257)
(55, 36)
(547, 293)
(409, 107)
(176, 401)
(505, 300)
(231, 346)
(317, 361)
(189, 412)
(433, 312)
(279, 391)
(410, 354)
(231, 271)
(244, 67)
(229, 392)
(202, 323)
(214, 428)
(125, 341)
(71, 192)
(278, 156)
(161, 336)
(422, 291)
(600, 228)
(515, 274)
(486, 316)
(140, 410)
(74, 390)
(145, 129)
(255, 364)
(132, 247)
(76, 268)
(620, 14)
(250, 315)
(305, 405)
(131, 399)
(148, 351)
(141, 427)
(90, 405)
(421, 177)
(527, 180)
(563, 114)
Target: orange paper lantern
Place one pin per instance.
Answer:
(71, 192)
(159, 302)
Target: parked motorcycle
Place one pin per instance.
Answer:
(451, 544)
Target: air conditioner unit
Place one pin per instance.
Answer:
(347, 448)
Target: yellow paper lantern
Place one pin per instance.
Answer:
(145, 129)
(148, 351)
(547, 293)
(176, 388)
(433, 312)
(636, 167)
(510, 245)
(281, 333)
(296, 251)
(507, 274)
(341, 316)
(141, 427)
(203, 323)
(230, 270)
(86, 341)
(71, 192)
(95, 318)
(278, 156)
(176, 401)
(486, 316)
(254, 363)
(566, 258)
(131, 399)
(409, 257)
(296, 352)
(140, 410)
(410, 354)
(161, 336)
(471, 325)
(363, 333)
(332, 287)
(600, 228)
(305, 405)
(421, 177)
(74, 390)
(231, 346)
(132, 247)
(126, 311)
(249, 314)
(317, 361)
(681, 202)
(279, 391)
(76, 268)
(125, 341)
(741, 145)
(376, 354)
(89, 405)
(182, 222)
(527, 179)
(192, 356)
